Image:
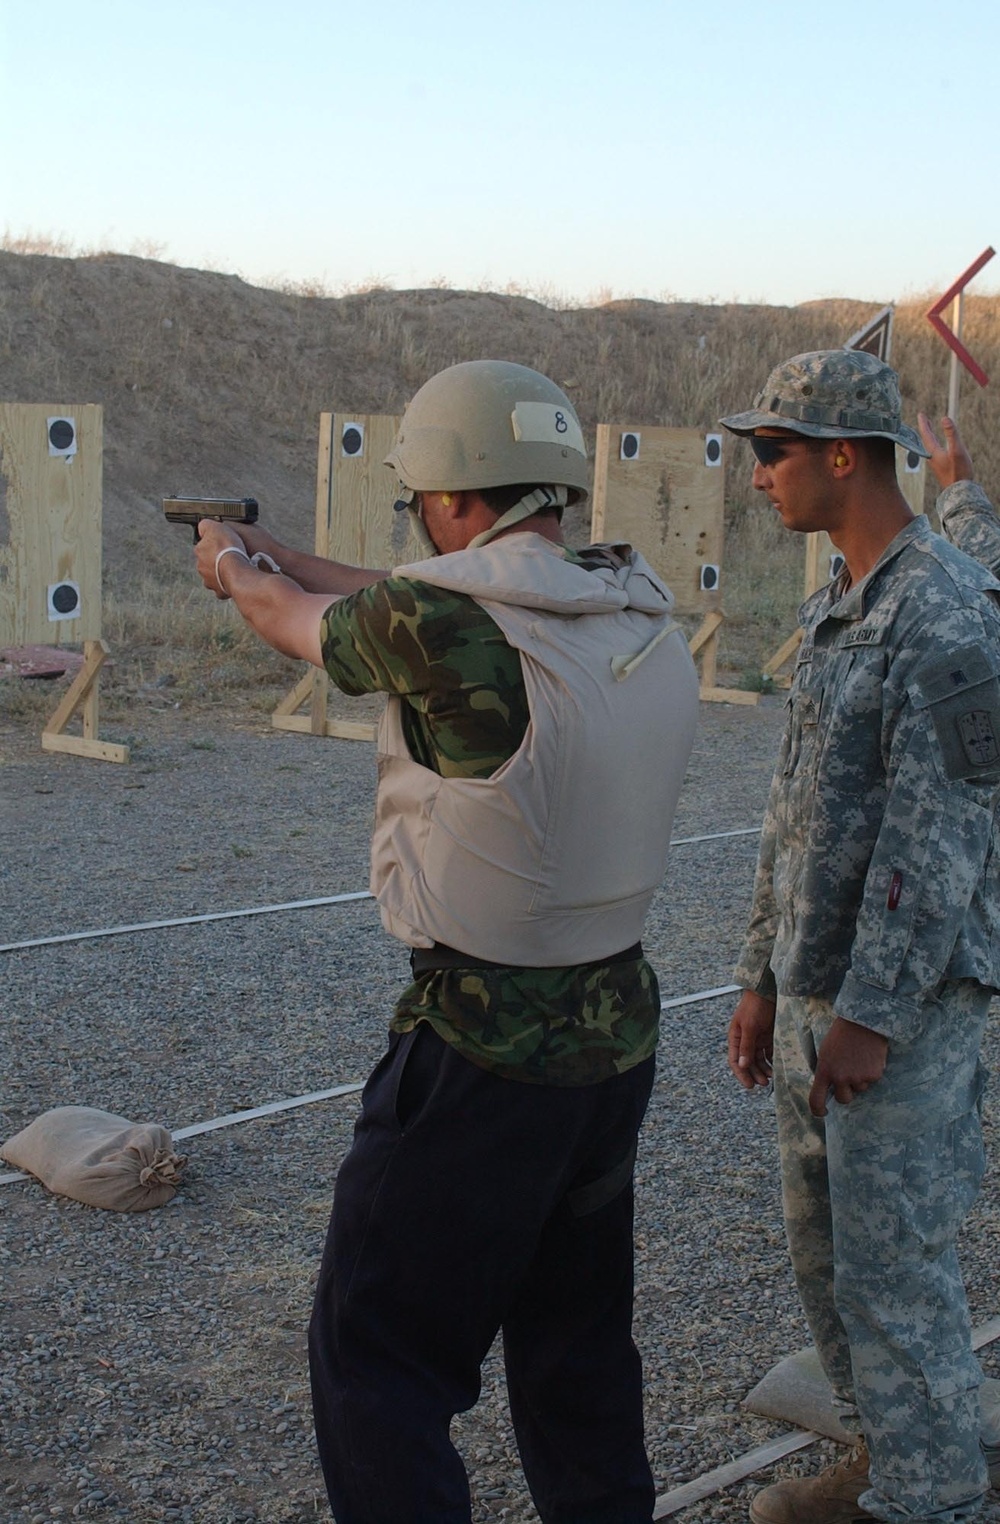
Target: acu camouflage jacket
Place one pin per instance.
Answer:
(878, 876)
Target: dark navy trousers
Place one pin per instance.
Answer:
(470, 1203)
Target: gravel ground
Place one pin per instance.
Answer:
(152, 1367)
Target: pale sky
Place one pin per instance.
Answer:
(772, 152)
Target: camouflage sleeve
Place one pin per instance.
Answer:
(969, 521)
(360, 647)
(941, 724)
(466, 709)
(402, 636)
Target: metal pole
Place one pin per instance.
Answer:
(956, 328)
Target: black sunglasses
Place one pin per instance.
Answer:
(768, 450)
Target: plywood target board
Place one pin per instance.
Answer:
(50, 523)
(355, 520)
(357, 525)
(661, 490)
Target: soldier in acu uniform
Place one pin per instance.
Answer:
(872, 948)
(541, 711)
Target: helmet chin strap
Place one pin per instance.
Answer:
(404, 501)
(532, 503)
(423, 537)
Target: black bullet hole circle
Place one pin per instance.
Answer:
(60, 434)
(351, 441)
(630, 446)
(709, 578)
(64, 597)
(713, 450)
(912, 459)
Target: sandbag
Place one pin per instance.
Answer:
(98, 1158)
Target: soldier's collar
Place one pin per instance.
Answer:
(854, 603)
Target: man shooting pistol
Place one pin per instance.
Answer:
(226, 510)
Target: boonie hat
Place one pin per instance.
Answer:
(831, 394)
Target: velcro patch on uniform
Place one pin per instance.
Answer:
(950, 674)
(961, 693)
(979, 737)
(864, 635)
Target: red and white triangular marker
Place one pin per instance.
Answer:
(938, 323)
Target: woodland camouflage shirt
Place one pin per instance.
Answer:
(465, 713)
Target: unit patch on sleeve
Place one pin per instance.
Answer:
(961, 693)
(979, 737)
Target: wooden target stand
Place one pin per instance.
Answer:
(661, 490)
(354, 524)
(823, 559)
(50, 554)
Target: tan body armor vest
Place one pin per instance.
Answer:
(553, 860)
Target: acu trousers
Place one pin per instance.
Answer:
(470, 1203)
(874, 1195)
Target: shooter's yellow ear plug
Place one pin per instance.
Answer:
(446, 499)
(840, 460)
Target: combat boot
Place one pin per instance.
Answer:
(831, 1497)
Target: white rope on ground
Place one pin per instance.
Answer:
(323, 1095)
(184, 920)
(765, 1455)
(271, 1109)
(232, 915)
(686, 841)
(722, 989)
(681, 1497)
(734, 1471)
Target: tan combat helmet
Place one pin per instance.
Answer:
(491, 423)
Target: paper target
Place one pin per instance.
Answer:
(62, 437)
(352, 439)
(63, 600)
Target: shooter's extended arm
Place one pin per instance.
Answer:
(228, 510)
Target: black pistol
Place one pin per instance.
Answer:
(228, 510)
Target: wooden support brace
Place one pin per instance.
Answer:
(312, 688)
(705, 641)
(784, 653)
(709, 627)
(83, 692)
(728, 695)
(317, 706)
(341, 730)
(294, 700)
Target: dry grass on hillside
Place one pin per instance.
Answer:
(211, 385)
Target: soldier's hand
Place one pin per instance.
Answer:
(951, 461)
(213, 538)
(851, 1058)
(751, 1040)
(256, 538)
